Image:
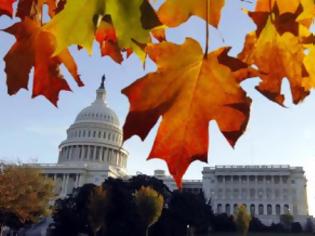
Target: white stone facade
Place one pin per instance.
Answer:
(92, 150)
(267, 191)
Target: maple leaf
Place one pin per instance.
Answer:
(309, 61)
(77, 23)
(187, 90)
(33, 8)
(283, 5)
(34, 47)
(276, 50)
(106, 36)
(6, 7)
(175, 12)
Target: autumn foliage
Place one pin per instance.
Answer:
(24, 193)
(190, 86)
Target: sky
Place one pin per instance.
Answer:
(32, 129)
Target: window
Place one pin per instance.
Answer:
(235, 193)
(252, 209)
(94, 134)
(286, 209)
(234, 208)
(268, 179)
(89, 134)
(252, 193)
(104, 135)
(260, 193)
(269, 209)
(268, 193)
(79, 133)
(285, 194)
(278, 209)
(99, 134)
(244, 193)
(292, 181)
(252, 179)
(261, 209)
(244, 179)
(236, 179)
(219, 208)
(83, 133)
(228, 209)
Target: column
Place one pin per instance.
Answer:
(106, 155)
(70, 152)
(66, 183)
(94, 153)
(63, 183)
(100, 154)
(88, 152)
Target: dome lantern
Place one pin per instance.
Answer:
(101, 91)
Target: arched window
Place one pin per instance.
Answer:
(261, 209)
(278, 209)
(252, 209)
(227, 209)
(219, 208)
(234, 208)
(269, 209)
(286, 209)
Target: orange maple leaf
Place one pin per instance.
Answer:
(33, 8)
(106, 36)
(35, 47)
(6, 7)
(175, 12)
(285, 6)
(277, 50)
(187, 90)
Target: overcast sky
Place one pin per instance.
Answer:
(32, 129)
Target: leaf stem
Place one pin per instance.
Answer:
(207, 29)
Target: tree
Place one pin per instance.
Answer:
(24, 195)
(242, 219)
(208, 87)
(149, 206)
(286, 220)
(97, 205)
(71, 213)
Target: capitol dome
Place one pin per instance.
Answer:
(95, 137)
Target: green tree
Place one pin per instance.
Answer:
(242, 219)
(149, 205)
(286, 220)
(24, 195)
(97, 205)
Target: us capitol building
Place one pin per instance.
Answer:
(93, 151)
